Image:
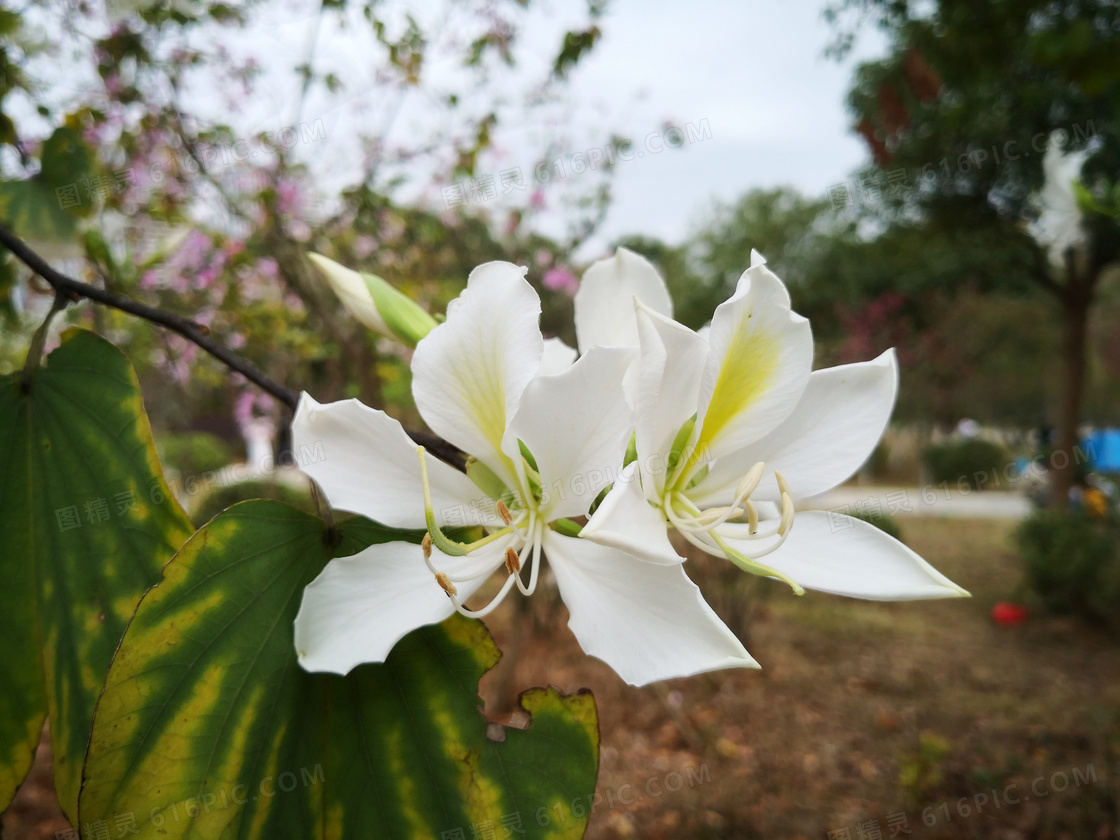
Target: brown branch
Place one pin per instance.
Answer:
(189, 330)
(76, 289)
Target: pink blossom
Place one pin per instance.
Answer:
(289, 197)
(561, 280)
(364, 245)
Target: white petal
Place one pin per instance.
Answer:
(367, 464)
(840, 418)
(604, 304)
(577, 424)
(1059, 225)
(666, 387)
(834, 553)
(627, 521)
(351, 289)
(360, 606)
(647, 622)
(761, 356)
(469, 372)
(557, 358)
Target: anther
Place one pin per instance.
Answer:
(446, 584)
(426, 544)
(787, 514)
(503, 512)
(752, 518)
(783, 487)
(513, 562)
(750, 481)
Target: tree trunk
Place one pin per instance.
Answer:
(1076, 300)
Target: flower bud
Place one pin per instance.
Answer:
(375, 303)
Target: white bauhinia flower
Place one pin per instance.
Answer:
(729, 424)
(543, 446)
(607, 288)
(604, 308)
(1059, 227)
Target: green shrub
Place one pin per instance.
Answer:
(194, 453)
(1072, 562)
(223, 497)
(975, 462)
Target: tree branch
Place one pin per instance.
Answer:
(191, 331)
(76, 289)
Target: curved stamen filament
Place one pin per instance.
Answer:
(749, 565)
(534, 573)
(489, 608)
(439, 539)
(531, 553)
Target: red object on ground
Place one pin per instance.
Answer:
(1008, 614)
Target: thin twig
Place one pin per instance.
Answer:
(188, 329)
(76, 289)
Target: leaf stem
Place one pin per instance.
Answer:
(35, 352)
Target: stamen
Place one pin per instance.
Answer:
(445, 582)
(426, 544)
(787, 514)
(443, 543)
(752, 518)
(538, 535)
(438, 538)
(783, 487)
(503, 512)
(750, 482)
(513, 562)
(755, 568)
(489, 608)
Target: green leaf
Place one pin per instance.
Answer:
(35, 211)
(209, 728)
(86, 522)
(66, 158)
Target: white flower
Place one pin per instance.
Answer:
(727, 425)
(1058, 227)
(543, 445)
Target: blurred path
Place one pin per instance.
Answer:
(929, 500)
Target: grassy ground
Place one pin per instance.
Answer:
(862, 712)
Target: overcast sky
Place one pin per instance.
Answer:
(752, 73)
(753, 69)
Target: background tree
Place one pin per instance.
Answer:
(958, 116)
(139, 175)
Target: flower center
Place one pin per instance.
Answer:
(527, 530)
(713, 529)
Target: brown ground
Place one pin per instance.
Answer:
(863, 712)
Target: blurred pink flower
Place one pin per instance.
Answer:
(561, 280)
(289, 198)
(364, 245)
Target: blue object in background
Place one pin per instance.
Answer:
(1103, 449)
